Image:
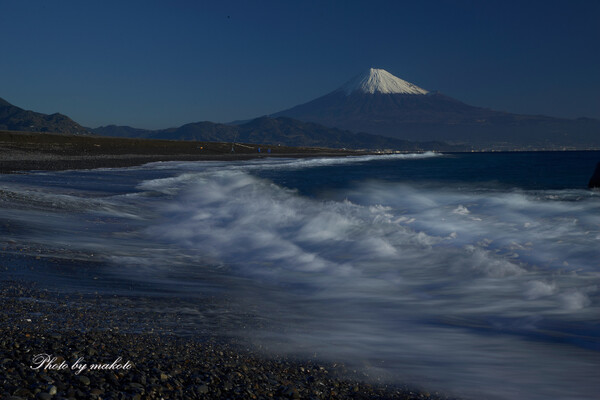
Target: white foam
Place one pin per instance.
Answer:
(457, 289)
(393, 256)
(461, 210)
(285, 163)
(577, 299)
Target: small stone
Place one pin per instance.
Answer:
(52, 390)
(46, 378)
(202, 389)
(23, 392)
(142, 379)
(290, 392)
(43, 396)
(84, 380)
(136, 385)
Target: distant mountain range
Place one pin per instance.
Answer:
(13, 118)
(264, 130)
(396, 114)
(381, 103)
(276, 131)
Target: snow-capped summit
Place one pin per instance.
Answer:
(380, 81)
(379, 103)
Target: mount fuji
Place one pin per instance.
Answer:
(380, 81)
(380, 103)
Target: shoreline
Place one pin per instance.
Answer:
(161, 364)
(26, 151)
(204, 358)
(48, 162)
(103, 328)
(34, 151)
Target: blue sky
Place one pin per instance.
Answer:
(157, 64)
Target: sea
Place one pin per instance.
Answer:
(471, 274)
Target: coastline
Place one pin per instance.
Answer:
(218, 324)
(26, 151)
(104, 329)
(146, 363)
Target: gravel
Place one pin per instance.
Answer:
(151, 364)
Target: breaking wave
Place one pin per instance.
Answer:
(454, 289)
(477, 292)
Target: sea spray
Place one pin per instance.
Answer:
(459, 287)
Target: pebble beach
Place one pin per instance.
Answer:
(48, 334)
(136, 359)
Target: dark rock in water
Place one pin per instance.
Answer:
(595, 181)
